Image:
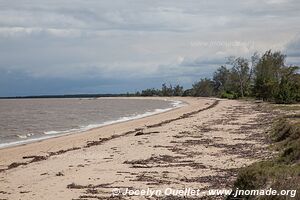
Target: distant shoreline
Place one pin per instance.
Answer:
(66, 96)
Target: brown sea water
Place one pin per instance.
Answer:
(27, 120)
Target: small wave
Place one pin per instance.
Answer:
(177, 103)
(22, 136)
(51, 132)
(59, 132)
(25, 135)
(16, 143)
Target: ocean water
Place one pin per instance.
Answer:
(28, 120)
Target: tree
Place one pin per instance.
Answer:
(203, 88)
(221, 80)
(150, 92)
(178, 90)
(240, 74)
(188, 92)
(267, 75)
(289, 85)
(167, 91)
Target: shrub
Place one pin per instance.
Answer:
(280, 173)
(229, 95)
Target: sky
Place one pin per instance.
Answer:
(92, 46)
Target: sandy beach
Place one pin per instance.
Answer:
(199, 146)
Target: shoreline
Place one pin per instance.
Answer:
(18, 151)
(173, 102)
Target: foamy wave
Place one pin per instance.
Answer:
(22, 136)
(25, 136)
(177, 103)
(51, 132)
(59, 132)
(3, 145)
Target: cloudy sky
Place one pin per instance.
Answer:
(105, 46)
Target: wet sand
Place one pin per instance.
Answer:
(199, 146)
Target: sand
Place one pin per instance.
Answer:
(200, 146)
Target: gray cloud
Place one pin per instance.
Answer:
(124, 40)
(292, 50)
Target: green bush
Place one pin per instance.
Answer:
(282, 130)
(287, 135)
(229, 95)
(265, 175)
(291, 154)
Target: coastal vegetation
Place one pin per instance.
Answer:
(265, 77)
(166, 90)
(281, 172)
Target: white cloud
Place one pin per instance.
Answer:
(38, 31)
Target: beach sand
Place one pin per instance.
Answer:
(198, 146)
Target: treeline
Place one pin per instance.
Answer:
(265, 77)
(166, 90)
